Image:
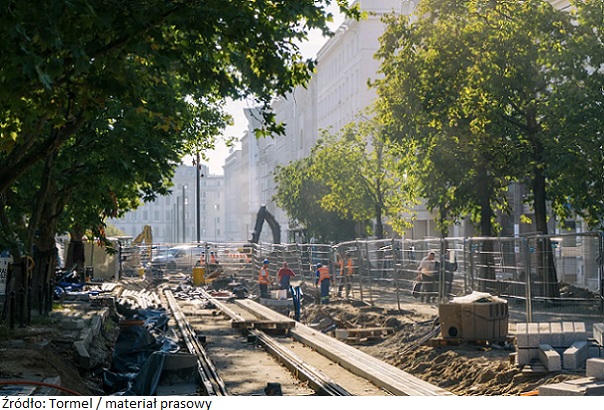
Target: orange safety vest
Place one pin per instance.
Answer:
(263, 278)
(350, 268)
(323, 273)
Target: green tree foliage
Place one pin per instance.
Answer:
(65, 63)
(101, 100)
(365, 179)
(61, 58)
(352, 175)
(502, 85)
(300, 195)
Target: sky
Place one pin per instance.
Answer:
(235, 108)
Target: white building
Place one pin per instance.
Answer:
(173, 218)
(336, 93)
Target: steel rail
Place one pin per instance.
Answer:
(305, 372)
(213, 383)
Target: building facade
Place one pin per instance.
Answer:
(173, 218)
(335, 95)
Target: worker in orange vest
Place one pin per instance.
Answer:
(345, 278)
(324, 281)
(264, 279)
(349, 272)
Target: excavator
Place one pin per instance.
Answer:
(265, 215)
(135, 259)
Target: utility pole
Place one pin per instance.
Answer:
(183, 215)
(177, 213)
(197, 201)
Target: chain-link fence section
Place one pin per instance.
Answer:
(554, 277)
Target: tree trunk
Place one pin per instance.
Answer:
(546, 268)
(379, 226)
(45, 257)
(487, 269)
(75, 252)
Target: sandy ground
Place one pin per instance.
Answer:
(464, 369)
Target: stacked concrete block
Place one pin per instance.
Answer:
(587, 386)
(550, 358)
(576, 355)
(598, 333)
(595, 368)
(596, 348)
(541, 340)
(572, 332)
(591, 385)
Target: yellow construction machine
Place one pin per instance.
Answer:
(140, 251)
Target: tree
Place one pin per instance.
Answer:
(75, 74)
(299, 194)
(60, 58)
(495, 78)
(364, 179)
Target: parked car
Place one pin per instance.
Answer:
(178, 258)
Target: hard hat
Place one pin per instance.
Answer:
(265, 261)
(319, 265)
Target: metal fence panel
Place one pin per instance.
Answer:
(554, 277)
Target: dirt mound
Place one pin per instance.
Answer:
(465, 369)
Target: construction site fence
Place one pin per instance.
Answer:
(542, 277)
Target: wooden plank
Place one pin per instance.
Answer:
(263, 312)
(382, 374)
(262, 324)
(379, 373)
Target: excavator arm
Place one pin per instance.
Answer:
(265, 215)
(145, 236)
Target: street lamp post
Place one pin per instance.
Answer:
(183, 215)
(197, 204)
(177, 214)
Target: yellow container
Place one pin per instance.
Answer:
(198, 276)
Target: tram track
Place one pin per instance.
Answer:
(212, 382)
(247, 346)
(280, 347)
(321, 383)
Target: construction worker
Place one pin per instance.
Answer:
(264, 279)
(426, 274)
(349, 272)
(324, 281)
(284, 275)
(213, 258)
